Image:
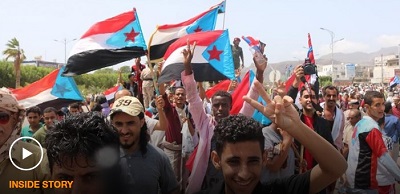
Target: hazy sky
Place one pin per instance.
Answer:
(365, 25)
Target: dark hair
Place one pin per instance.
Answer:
(329, 87)
(388, 107)
(79, 135)
(96, 107)
(176, 88)
(101, 99)
(34, 109)
(223, 93)
(370, 95)
(50, 109)
(144, 137)
(305, 89)
(237, 128)
(74, 105)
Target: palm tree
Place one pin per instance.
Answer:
(14, 51)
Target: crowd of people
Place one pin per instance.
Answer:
(176, 140)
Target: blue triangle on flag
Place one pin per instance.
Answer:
(129, 36)
(224, 62)
(205, 23)
(65, 87)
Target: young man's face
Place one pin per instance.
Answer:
(180, 96)
(73, 111)
(49, 118)
(7, 122)
(376, 109)
(330, 97)
(33, 118)
(86, 177)
(220, 107)
(241, 164)
(306, 100)
(128, 128)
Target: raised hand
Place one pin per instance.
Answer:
(280, 88)
(260, 61)
(280, 110)
(188, 53)
(160, 103)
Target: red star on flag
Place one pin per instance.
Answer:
(131, 35)
(198, 29)
(214, 53)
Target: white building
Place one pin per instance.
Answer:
(346, 73)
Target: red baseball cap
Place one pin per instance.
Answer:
(235, 39)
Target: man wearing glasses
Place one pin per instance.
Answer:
(11, 118)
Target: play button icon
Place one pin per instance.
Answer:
(21, 153)
(25, 153)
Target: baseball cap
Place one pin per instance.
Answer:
(127, 104)
(236, 39)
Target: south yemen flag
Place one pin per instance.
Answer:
(107, 43)
(212, 58)
(166, 34)
(52, 90)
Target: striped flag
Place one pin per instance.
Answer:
(394, 81)
(107, 43)
(110, 93)
(212, 58)
(52, 90)
(310, 78)
(167, 34)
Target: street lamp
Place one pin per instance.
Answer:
(332, 45)
(65, 42)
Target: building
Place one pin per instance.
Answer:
(385, 68)
(347, 73)
(38, 62)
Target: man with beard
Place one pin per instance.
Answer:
(11, 118)
(147, 167)
(333, 114)
(368, 155)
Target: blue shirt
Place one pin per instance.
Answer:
(27, 132)
(392, 127)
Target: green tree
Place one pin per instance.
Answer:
(325, 80)
(125, 69)
(15, 52)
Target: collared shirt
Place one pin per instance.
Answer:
(148, 173)
(27, 131)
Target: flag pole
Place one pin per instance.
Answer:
(154, 74)
(223, 20)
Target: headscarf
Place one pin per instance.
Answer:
(10, 103)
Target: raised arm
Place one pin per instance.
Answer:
(331, 164)
(261, 65)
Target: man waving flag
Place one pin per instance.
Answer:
(107, 43)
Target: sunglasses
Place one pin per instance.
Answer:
(4, 118)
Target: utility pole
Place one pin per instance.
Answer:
(382, 67)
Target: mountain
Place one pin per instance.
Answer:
(356, 58)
